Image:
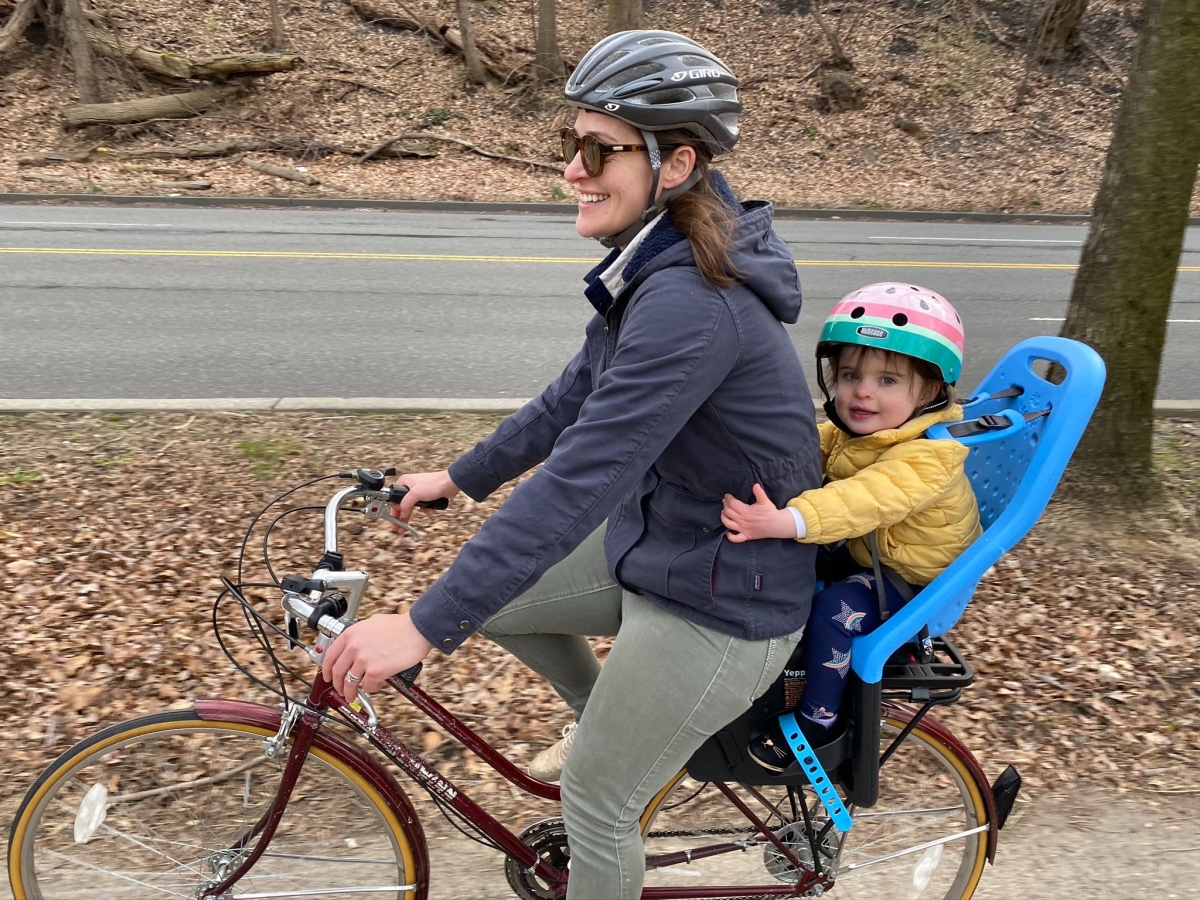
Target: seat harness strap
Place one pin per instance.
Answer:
(903, 588)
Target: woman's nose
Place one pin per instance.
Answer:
(575, 172)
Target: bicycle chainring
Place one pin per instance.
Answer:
(549, 839)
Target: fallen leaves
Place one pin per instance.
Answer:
(1086, 643)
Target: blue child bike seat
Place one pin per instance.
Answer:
(1022, 430)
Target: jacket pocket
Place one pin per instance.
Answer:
(731, 574)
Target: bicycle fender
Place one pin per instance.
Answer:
(339, 748)
(937, 730)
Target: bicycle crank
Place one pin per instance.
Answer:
(549, 839)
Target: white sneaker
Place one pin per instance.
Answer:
(548, 765)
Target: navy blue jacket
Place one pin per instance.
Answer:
(681, 393)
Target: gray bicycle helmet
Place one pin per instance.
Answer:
(658, 80)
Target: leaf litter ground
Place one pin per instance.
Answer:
(114, 531)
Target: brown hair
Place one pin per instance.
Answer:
(925, 370)
(701, 214)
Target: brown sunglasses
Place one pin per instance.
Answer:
(591, 150)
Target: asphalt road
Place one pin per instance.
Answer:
(106, 302)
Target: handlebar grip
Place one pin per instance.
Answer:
(397, 492)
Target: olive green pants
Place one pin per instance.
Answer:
(666, 685)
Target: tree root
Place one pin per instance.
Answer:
(423, 136)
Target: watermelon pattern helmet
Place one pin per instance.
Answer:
(902, 318)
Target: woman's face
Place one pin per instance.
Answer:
(613, 200)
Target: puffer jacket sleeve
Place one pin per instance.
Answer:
(905, 479)
(677, 343)
(526, 437)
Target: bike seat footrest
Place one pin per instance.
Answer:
(820, 782)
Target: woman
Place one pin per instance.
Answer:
(684, 390)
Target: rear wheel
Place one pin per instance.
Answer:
(156, 807)
(926, 794)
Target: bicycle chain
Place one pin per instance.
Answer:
(706, 832)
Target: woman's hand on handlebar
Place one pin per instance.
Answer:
(422, 486)
(374, 650)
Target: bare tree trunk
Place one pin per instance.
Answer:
(549, 62)
(278, 35)
(1058, 29)
(475, 70)
(81, 52)
(624, 15)
(18, 20)
(1122, 292)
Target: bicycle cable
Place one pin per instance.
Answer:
(263, 511)
(267, 536)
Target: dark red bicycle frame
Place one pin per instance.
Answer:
(307, 733)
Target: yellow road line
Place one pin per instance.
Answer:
(578, 260)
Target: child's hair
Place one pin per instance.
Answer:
(925, 370)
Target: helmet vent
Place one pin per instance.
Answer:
(690, 59)
(633, 74)
(646, 42)
(610, 60)
(924, 305)
(857, 312)
(723, 91)
(900, 320)
(890, 290)
(672, 95)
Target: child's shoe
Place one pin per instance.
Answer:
(769, 748)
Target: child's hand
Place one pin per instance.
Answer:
(752, 522)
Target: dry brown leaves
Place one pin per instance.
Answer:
(114, 530)
(963, 142)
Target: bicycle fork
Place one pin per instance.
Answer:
(305, 726)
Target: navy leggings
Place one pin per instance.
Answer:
(841, 611)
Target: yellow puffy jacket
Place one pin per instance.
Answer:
(910, 490)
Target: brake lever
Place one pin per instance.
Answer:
(375, 508)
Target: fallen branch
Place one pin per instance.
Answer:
(169, 106)
(56, 179)
(281, 172)
(139, 168)
(157, 62)
(172, 65)
(244, 64)
(420, 135)
(201, 185)
(291, 144)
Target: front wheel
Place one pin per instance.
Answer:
(157, 807)
(925, 838)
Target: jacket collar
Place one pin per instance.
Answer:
(608, 280)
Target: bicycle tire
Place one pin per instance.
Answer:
(927, 792)
(182, 790)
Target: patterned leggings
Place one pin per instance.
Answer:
(840, 612)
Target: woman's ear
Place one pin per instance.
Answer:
(677, 167)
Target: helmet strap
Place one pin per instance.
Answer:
(829, 407)
(654, 204)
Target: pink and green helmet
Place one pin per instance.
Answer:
(900, 317)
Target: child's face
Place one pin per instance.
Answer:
(876, 391)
